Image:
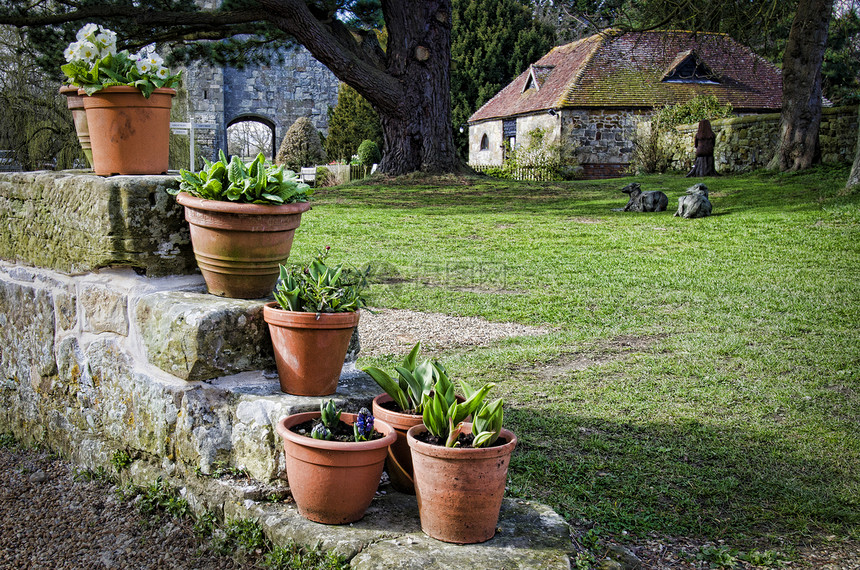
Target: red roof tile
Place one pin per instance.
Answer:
(625, 70)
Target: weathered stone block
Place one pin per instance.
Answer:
(195, 336)
(105, 309)
(75, 222)
(27, 322)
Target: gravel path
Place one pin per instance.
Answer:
(50, 521)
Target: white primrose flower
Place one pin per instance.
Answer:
(143, 66)
(88, 51)
(86, 31)
(155, 60)
(162, 72)
(71, 52)
(106, 44)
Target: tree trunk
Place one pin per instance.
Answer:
(417, 131)
(797, 147)
(854, 177)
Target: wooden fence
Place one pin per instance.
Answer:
(536, 174)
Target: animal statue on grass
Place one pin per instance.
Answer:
(641, 201)
(695, 204)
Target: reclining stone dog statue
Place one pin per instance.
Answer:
(695, 204)
(651, 201)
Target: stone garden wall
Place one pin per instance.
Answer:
(747, 143)
(109, 341)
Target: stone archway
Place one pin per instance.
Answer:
(248, 135)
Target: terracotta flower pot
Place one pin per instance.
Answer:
(79, 115)
(309, 348)
(333, 482)
(239, 247)
(460, 490)
(399, 462)
(398, 465)
(129, 133)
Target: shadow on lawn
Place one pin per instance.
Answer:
(685, 478)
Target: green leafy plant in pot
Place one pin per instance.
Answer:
(311, 323)
(334, 461)
(460, 468)
(242, 217)
(402, 406)
(126, 98)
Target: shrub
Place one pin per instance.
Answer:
(301, 146)
(539, 158)
(368, 153)
(350, 122)
(697, 109)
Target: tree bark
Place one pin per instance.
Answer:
(408, 84)
(797, 146)
(854, 177)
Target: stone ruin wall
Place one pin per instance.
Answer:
(278, 94)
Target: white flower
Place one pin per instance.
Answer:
(143, 67)
(88, 51)
(106, 42)
(86, 31)
(72, 51)
(162, 72)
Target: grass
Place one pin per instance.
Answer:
(701, 377)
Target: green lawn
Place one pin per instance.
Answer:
(702, 377)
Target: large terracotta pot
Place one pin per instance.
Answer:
(333, 482)
(129, 133)
(398, 465)
(79, 115)
(309, 348)
(460, 490)
(239, 247)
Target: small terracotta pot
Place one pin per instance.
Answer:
(130, 134)
(459, 490)
(398, 465)
(239, 247)
(79, 115)
(333, 482)
(309, 348)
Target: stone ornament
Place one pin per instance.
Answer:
(650, 201)
(695, 204)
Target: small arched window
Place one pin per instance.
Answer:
(485, 142)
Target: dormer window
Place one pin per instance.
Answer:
(689, 68)
(537, 76)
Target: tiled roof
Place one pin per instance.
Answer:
(625, 70)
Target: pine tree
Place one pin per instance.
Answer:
(350, 122)
(492, 42)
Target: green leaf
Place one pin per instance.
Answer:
(389, 386)
(412, 357)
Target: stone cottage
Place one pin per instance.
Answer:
(590, 94)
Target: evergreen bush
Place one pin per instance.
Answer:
(368, 153)
(301, 146)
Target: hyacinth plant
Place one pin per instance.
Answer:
(414, 384)
(318, 288)
(94, 63)
(330, 419)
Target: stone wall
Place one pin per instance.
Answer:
(747, 143)
(278, 94)
(75, 222)
(98, 356)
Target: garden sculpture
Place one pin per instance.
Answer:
(704, 145)
(652, 201)
(695, 204)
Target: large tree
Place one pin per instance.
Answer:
(408, 84)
